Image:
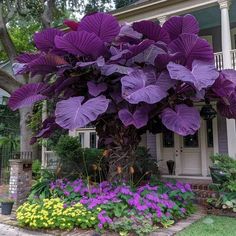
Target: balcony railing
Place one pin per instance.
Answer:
(219, 59)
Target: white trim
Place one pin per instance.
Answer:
(186, 177)
(169, 9)
(203, 147)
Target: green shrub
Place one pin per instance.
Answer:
(53, 213)
(36, 169)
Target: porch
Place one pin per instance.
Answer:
(219, 61)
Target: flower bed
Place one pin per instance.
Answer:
(118, 206)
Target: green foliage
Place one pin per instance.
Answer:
(36, 169)
(41, 188)
(228, 166)
(123, 3)
(10, 141)
(145, 165)
(53, 213)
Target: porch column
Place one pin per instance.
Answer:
(226, 48)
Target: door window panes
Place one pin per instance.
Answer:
(93, 140)
(209, 133)
(168, 139)
(191, 141)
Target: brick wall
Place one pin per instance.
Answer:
(20, 179)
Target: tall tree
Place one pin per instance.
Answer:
(125, 80)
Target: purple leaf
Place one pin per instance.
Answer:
(203, 74)
(72, 114)
(177, 25)
(148, 55)
(71, 24)
(105, 26)
(184, 120)
(139, 118)
(223, 87)
(81, 44)
(49, 126)
(114, 68)
(193, 48)
(141, 87)
(20, 68)
(127, 30)
(152, 31)
(96, 89)
(46, 64)
(26, 96)
(229, 74)
(99, 62)
(228, 108)
(44, 40)
(27, 57)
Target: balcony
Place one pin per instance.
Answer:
(219, 59)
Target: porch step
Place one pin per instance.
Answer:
(202, 192)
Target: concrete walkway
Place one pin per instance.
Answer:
(7, 230)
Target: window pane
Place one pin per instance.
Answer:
(168, 139)
(81, 139)
(93, 140)
(209, 133)
(191, 141)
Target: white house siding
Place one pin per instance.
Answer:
(222, 135)
(151, 144)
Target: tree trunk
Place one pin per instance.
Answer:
(26, 132)
(122, 149)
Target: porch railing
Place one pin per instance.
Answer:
(219, 59)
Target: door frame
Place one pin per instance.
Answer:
(202, 144)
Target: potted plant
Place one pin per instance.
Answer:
(218, 169)
(6, 205)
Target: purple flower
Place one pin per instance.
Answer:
(66, 193)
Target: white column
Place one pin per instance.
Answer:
(226, 47)
(225, 33)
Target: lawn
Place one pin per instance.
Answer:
(212, 226)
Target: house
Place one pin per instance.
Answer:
(3, 94)
(217, 21)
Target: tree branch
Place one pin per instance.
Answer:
(47, 13)
(7, 82)
(5, 39)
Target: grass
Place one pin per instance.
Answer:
(211, 226)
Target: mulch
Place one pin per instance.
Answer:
(220, 212)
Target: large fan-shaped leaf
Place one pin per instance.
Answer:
(44, 40)
(27, 57)
(127, 30)
(139, 118)
(184, 120)
(115, 68)
(71, 24)
(203, 74)
(72, 114)
(105, 26)
(223, 87)
(141, 87)
(177, 25)
(96, 89)
(81, 43)
(152, 31)
(193, 48)
(46, 64)
(229, 74)
(26, 96)
(228, 108)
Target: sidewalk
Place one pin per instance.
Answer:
(7, 230)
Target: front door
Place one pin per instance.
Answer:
(190, 154)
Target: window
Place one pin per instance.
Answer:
(209, 133)
(81, 139)
(93, 140)
(168, 139)
(191, 141)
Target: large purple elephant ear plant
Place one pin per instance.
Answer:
(125, 80)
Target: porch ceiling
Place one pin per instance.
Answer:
(211, 17)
